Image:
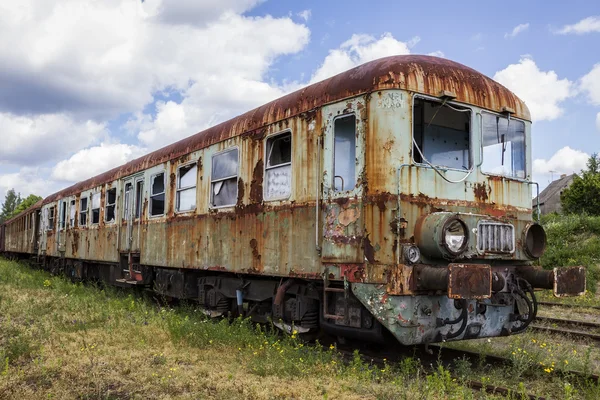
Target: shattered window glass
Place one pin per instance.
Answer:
(157, 196)
(111, 201)
(223, 178)
(96, 208)
(186, 187)
(63, 214)
(139, 198)
(278, 179)
(126, 197)
(442, 134)
(344, 167)
(50, 219)
(83, 209)
(503, 142)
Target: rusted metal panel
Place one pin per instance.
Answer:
(469, 281)
(569, 281)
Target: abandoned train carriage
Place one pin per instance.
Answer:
(396, 194)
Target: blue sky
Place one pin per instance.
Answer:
(86, 86)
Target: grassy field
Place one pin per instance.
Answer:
(60, 340)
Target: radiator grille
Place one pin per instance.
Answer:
(495, 237)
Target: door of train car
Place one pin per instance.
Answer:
(133, 202)
(344, 127)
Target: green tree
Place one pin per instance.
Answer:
(11, 201)
(583, 196)
(25, 204)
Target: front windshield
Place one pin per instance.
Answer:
(503, 142)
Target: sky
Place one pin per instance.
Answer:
(88, 85)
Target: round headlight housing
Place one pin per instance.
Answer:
(534, 240)
(455, 236)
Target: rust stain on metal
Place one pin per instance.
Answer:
(353, 272)
(481, 192)
(256, 186)
(254, 247)
(348, 216)
(469, 281)
(368, 249)
(240, 198)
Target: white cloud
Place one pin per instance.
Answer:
(516, 30)
(542, 91)
(590, 84)
(28, 180)
(564, 161)
(34, 140)
(359, 49)
(586, 25)
(437, 53)
(598, 121)
(94, 160)
(305, 15)
(197, 12)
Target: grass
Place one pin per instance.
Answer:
(63, 340)
(573, 240)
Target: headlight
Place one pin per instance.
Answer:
(455, 235)
(534, 240)
(442, 235)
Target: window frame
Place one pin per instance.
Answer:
(62, 224)
(472, 113)
(92, 208)
(526, 155)
(266, 168)
(107, 205)
(180, 189)
(73, 223)
(150, 195)
(345, 115)
(84, 212)
(210, 186)
(50, 227)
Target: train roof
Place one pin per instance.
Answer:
(422, 74)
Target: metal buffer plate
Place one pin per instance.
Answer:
(469, 281)
(569, 281)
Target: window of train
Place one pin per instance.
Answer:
(126, 197)
(72, 212)
(139, 197)
(441, 134)
(83, 210)
(63, 214)
(51, 212)
(278, 168)
(503, 143)
(223, 179)
(344, 156)
(111, 202)
(96, 208)
(186, 187)
(157, 195)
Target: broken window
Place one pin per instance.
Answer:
(51, 211)
(157, 195)
(83, 209)
(96, 208)
(344, 158)
(126, 208)
(111, 201)
(503, 143)
(63, 214)
(278, 168)
(72, 212)
(441, 134)
(139, 198)
(224, 175)
(186, 187)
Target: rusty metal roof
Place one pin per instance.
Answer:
(422, 74)
(37, 205)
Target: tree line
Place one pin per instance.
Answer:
(13, 204)
(583, 196)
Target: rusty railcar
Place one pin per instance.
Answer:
(19, 234)
(396, 195)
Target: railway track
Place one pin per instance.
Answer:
(564, 327)
(564, 305)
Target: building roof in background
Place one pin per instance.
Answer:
(554, 188)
